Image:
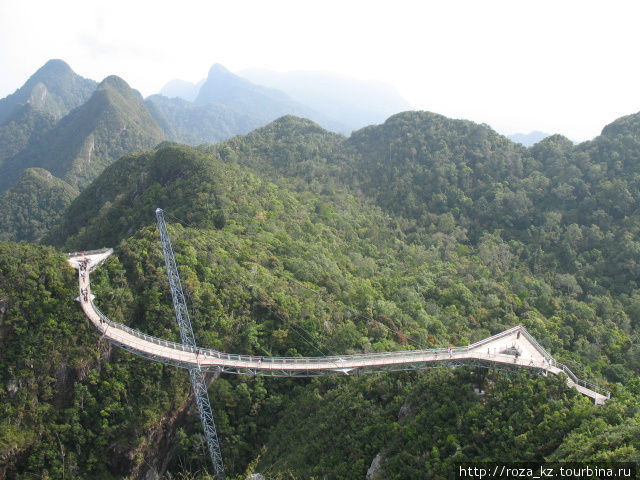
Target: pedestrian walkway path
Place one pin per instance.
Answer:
(514, 348)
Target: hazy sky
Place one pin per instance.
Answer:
(557, 66)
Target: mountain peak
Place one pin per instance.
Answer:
(57, 88)
(114, 81)
(55, 65)
(112, 122)
(56, 75)
(223, 87)
(218, 69)
(293, 122)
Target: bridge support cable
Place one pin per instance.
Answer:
(198, 382)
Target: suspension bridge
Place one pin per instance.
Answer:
(512, 349)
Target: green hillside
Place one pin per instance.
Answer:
(70, 405)
(112, 123)
(276, 271)
(25, 126)
(291, 147)
(571, 209)
(291, 241)
(33, 205)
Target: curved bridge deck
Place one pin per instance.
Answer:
(513, 348)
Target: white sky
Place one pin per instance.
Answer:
(560, 66)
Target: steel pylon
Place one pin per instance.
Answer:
(186, 334)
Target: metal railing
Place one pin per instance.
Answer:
(337, 360)
(143, 336)
(583, 383)
(89, 252)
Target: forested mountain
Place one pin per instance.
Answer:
(569, 209)
(290, 147)
(70, 407)
(33, 205)
(113, 122)
(54, 89)
(26, 125)
(293, 240)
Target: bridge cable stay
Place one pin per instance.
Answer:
(306, 336)
(316, 292)
(186, 334)
(584, 387)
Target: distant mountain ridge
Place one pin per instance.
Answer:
(224, 105)
(177, 88)
(193, 124)
(528, 139)
(356, 103)
(267, 104)
(337, 103)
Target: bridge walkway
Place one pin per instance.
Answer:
(513, 348)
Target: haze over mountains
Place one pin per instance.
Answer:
(182, 89)
(337, 103)
(39, 127)
(357, 103)
(224, 105)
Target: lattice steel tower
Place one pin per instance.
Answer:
(186, 334)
